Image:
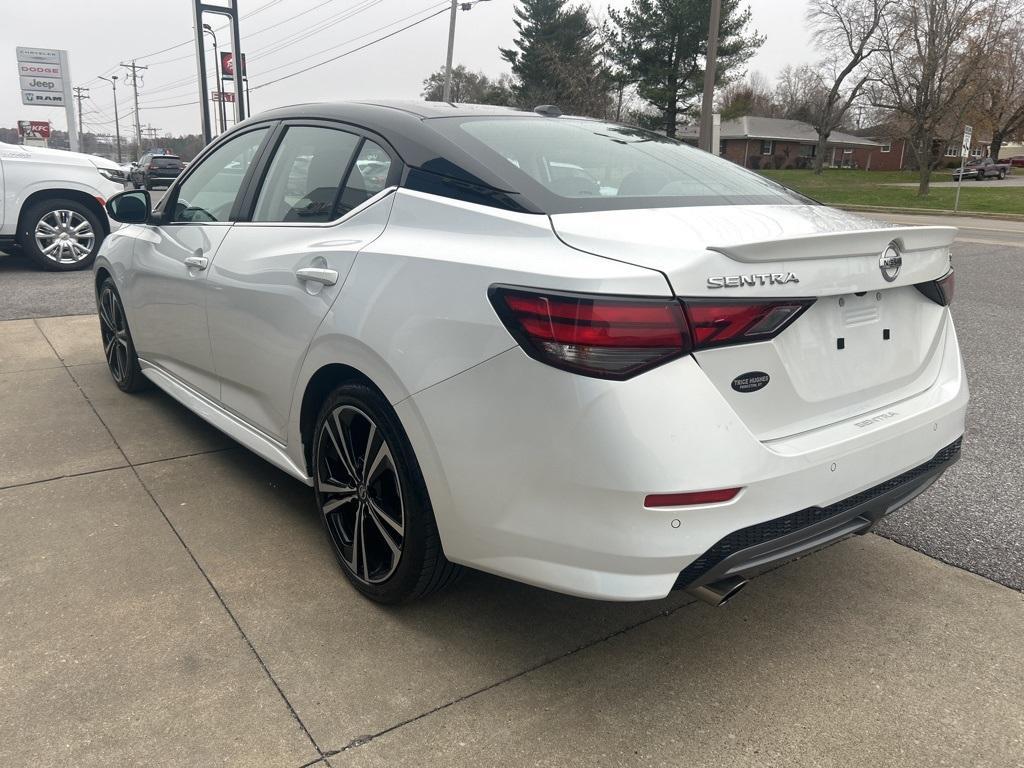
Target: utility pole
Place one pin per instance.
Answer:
(451, 53)
(135, 90)
(80, 93)
(456, 6)
(708, 104)
(151, 133)
(117, 124)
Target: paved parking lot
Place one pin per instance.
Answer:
(169, 599)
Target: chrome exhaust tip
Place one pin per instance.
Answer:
(719, 592)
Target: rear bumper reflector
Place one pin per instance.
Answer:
(691, 499)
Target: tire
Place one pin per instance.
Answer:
(45, 222)
(1002, 175)
(381, 527)
(118, 347)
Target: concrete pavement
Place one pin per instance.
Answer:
(168, 599)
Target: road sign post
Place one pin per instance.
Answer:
(45, 78)
(965, 148)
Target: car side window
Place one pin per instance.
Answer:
(305, 175)
(209, 192)
(369, 176)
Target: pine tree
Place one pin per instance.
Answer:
(660, 46)
(557, 59)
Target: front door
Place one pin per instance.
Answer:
(167, 289)
(276, 276)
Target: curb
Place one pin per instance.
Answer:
(933, 212)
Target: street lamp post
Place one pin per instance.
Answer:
(216, 68)
(117, 125)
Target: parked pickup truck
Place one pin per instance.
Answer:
(982, 169)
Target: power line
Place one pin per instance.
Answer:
(354, 50)
(294, 38)
(249, 15)
(443, 6)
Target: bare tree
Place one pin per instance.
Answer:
(752, 96)
(797, 90)
(1001, 97)
(934, 54)
(848, 31)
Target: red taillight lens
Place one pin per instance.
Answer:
(715, 323)
(940, 291)
(604, 336)
(617, 337)
(691, 499)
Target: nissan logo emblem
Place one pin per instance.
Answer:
(890, 262)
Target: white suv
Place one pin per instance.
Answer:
(51, 204)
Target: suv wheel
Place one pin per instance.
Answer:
(61, 235)
(373, 501)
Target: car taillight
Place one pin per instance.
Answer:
(940, 291)
(153, 166)
(618, 337)
(717, 322)
(609, 337)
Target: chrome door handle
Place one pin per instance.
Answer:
(317, 275)
(197, 262)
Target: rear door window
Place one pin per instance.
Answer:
(305, 177)
(368, 177)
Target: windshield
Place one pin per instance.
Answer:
(570, 164)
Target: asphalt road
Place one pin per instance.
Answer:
(972, 518)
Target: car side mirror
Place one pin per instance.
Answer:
(130, 207)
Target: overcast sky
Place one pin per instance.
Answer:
(277, 36)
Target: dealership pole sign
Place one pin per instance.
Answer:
(45, 81)
(227, 65)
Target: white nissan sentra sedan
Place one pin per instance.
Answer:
(568, 352)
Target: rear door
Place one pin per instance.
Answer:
(323, 197)
(167, 293)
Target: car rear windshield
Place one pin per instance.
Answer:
(571, 164)
(166, 162)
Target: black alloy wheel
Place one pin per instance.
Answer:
(373, 501)
(361, 495)
(118, 348)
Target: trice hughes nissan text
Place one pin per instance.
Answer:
(568, 352)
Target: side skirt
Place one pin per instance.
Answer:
(231, 425)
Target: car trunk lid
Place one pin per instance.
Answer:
(870, 339)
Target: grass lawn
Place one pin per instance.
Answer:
(846, 187)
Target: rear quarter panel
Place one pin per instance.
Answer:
(414, 310)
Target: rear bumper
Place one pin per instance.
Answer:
(541, 476)
(751, 550)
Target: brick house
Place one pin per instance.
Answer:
(895, 153)
(769, 142)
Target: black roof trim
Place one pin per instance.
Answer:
(406, 127)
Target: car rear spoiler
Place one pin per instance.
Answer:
(868, 242)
